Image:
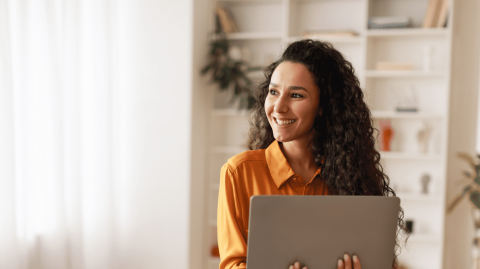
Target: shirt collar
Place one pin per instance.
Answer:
(278, 165)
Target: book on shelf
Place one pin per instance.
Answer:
(233, 25)
(443, 13)
(388, 22)
(329, 34)
(432, 14)
(226, 20)
(394, 66)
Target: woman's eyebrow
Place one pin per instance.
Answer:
(290, 88)
(297, 88)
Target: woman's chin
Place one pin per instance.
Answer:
(282, 139)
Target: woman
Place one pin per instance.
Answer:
(311, 134)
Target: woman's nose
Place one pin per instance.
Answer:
(281, 106)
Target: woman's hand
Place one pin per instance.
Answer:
(346, 263)
(296, 266)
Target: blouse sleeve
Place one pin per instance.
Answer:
(231, 242)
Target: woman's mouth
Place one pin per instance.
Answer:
(284, 122)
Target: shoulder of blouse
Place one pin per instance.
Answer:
(245, 157)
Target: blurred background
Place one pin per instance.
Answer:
(111, 138)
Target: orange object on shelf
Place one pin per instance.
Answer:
(386, 135)
(215, 252)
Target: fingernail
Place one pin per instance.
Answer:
(340, 262)
(355, 259)
(345, 257)
(304, 267)
(291, 267)
(297, 264)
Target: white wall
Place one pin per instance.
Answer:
(155, 44)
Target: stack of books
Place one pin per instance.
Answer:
(389, 22)
(320, 34)
(436, 15)
(225, 21)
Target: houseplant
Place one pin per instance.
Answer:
(228, 70)
(471, 190)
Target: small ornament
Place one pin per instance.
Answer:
(386, 135)
(425, 180)
(409, 226)
(407, 100)
(423, 137)
(215, 252)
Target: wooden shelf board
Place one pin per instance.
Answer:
(378, 114)
(424, 238)
(409, 156)
(408, 32)
(418, 197)
(409, 73)
(335, 40)
(248, 1)
(253, 35)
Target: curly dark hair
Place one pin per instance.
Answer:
(344, 136)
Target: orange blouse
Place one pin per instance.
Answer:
(254, 172)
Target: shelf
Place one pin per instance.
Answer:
(399, 74)
(334, 40)
(423, 238)
(410, 156)
(408, 32)
(252, 35)
(418, 197)
(229, 112)
(378, 114)
(248, 1)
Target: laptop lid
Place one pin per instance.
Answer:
(318, 230)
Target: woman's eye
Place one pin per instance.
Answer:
(272, 92)
(296, 95)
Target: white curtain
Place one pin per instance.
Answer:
(57, 134)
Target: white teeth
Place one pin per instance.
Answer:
(284, 122)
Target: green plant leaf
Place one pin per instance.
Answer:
(477, 169)
(477, 180)
(469, 159)
(206, 68)
(475, 198)
(454, 203)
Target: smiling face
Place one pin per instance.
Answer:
(292, 103)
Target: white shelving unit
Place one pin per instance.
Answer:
(268, 26)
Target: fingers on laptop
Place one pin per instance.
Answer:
(346, 263)
(296, 265)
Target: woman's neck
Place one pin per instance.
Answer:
(298, 155)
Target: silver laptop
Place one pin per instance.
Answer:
(317, 230)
